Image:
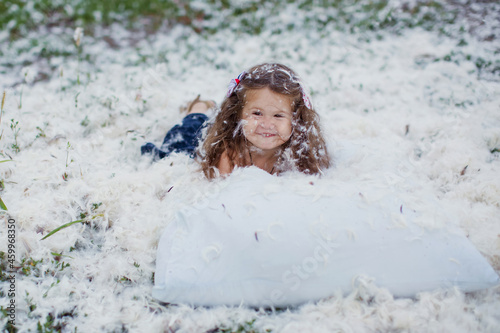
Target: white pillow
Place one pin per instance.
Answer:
(258, 243)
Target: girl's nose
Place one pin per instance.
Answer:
(267, 123)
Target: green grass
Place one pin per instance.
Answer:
(19, 17)
(367, 19)
(246, 327)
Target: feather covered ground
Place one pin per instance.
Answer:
(415, 111)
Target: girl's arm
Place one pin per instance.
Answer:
(225, 166)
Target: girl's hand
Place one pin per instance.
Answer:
(225, 166)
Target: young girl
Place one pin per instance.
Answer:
(266, 120)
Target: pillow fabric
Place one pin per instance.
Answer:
(259, 243)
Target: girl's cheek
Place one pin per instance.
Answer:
(289, 130)
(248, 128)
(253, 123)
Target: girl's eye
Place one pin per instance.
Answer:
(257, 113)
(279, 115)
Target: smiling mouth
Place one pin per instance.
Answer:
(267, 135)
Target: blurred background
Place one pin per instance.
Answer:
(41, 31)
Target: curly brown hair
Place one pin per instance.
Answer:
(305, 151)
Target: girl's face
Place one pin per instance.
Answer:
(267, 119)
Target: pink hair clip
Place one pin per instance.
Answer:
(305, 97)
(234, 83)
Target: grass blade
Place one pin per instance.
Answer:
(2, 205)
(62, 227)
